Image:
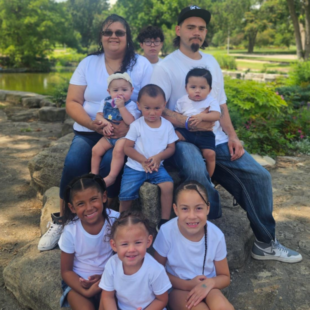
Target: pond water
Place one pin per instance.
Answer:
(40, 83)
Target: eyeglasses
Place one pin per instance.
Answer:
(196, 188)
(149, 42)
(109, 33)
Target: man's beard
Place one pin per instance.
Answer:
(195, 47)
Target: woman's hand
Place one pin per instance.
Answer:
(120, 130)
(199, 292)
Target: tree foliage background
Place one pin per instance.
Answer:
(30, 29)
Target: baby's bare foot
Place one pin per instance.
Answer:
(109, 180)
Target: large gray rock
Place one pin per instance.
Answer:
(51, 114)
(2, 95)
(47, 102)
(46, 167)
(67, 126)
(24, 116)
(34, 278)
(50, 205)
(16, 97)
(32, 102)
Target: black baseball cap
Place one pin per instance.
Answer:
(194, 11)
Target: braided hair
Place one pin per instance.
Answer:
(80, 184)
(131, 217)
(201, 191)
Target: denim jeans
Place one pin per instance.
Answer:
(78, 162)
(244, 178)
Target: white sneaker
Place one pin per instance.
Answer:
(50, 239)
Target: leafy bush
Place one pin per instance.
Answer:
(226, 61)
(263, 120)
(59, 92)
(302, 147)
(296, 95)
(300, 74)
(68, 58)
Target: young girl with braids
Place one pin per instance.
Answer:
(133, 279)
(84, 250)
(193, 251)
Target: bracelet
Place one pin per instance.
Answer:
(186, 123)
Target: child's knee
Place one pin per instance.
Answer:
(166, 187)
(208, 155)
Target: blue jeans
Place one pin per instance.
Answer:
(78, 162)
(244, 178)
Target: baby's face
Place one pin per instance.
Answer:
(197, 88)
(120, 88)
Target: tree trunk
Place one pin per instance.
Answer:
(252, 40)
(307, 29)
(291, 7)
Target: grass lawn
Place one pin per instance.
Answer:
(259, 66)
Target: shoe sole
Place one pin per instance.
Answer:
(280, 259)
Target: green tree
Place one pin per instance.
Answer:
(29, 29)
(86, 16)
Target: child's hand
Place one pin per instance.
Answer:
(139, 308)
(206, 110)
(108, 130)
(91, 280)
(195, 120)
(199, 292)
(146, 166)
(154, 162)
(93, 289)
(197, 280)
(119, 102)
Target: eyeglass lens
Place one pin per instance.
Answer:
(148, 42)
(109, 33)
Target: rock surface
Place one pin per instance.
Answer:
(34, 277)
(25, 115)
(67, 126)
(51, 114)
(32, 102)
(50, 205)
(46, 167)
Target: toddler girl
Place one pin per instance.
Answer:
(132, 278)
(199, 106)
(115, 108)
(84, 251)
(194, 253)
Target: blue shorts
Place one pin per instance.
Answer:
(202, 139)
(132, 180)
(112, 141)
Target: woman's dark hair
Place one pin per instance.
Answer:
(151, 90)
(80, 184)
(150, 32)
(131, 218)
(202, 192)
(129, 59)
(200, 72)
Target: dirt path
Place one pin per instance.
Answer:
(259, 285)
(19, 205)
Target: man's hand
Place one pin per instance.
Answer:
(91, 280)
(154, 162)
(236, 149)
(203, 126)
(120, 130)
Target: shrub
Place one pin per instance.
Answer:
(296, 95)
(302, 147)
(59, 92)
(299, 74)
(68, 58)
(226, 61)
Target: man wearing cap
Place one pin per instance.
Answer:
(236, 170)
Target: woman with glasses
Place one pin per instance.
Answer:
(151, 40)
(88, 87)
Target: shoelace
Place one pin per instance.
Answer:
(50, 228)
(279, 246)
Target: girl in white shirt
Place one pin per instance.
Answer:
(84, 250)
(193, 251)
(133, 279)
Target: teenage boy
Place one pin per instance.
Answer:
(151, 40)
(235, 170)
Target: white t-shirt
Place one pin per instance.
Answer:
(185, 257)
(190, 107)
(139, 289)
(170, 75)
(91, 252)
(92, 72)
(159, 59)
(130, 106)
(149, 141)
